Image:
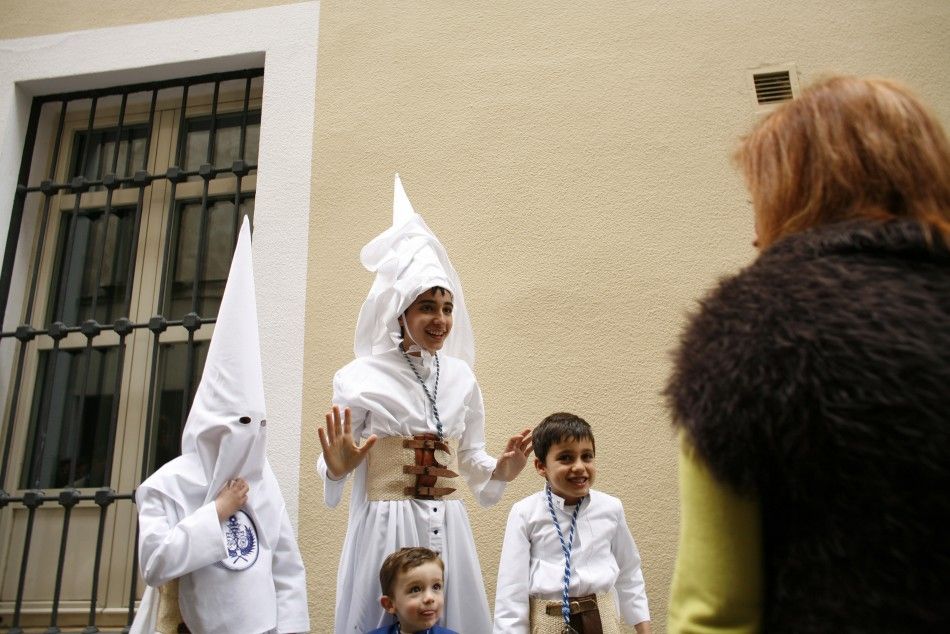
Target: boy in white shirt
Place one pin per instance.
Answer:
(568, 560)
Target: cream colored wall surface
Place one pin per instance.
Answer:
(22, 18)
(573, 158)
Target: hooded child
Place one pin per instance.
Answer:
(238, 570)
(412, 420)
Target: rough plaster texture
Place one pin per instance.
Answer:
(22, 18)
(574, 160)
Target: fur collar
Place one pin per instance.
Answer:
(817, 379)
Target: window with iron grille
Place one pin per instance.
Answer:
(125, 219)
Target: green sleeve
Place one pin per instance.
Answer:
(717, 584)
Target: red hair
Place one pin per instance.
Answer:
(848, 148)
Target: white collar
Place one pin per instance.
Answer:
(424, 359)
(559, 502)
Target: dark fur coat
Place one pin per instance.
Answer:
(818, 380)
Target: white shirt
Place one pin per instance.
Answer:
(386, 399)
(604, 558)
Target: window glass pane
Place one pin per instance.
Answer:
(227, 145)
(215, 256)
(169, 422)
(227, 140)
(70, 419)
(97, 161)
(91, 283)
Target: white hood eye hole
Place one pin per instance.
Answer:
(245, 420)
(263, 422)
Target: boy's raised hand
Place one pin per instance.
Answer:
(514, 458)
(232, 497)
(340, 452)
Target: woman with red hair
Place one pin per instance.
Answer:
(812, 388)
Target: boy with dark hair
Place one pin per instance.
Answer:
(568, 563)
(411, 580)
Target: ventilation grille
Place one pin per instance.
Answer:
(772, 87)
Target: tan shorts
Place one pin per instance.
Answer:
(169, 616)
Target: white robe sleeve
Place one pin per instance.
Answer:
(631, 589)
(168, 550)
(146, 617)
(333, 489)
(474, 462)
(290, 582)
(512, 594)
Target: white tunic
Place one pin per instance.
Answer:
(604, 558)
(386, 399)
(270, 595)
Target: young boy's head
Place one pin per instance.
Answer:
(564, 455)
(411, 581)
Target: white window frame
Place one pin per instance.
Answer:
(282, 39)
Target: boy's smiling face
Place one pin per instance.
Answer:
(417, 597)
(428, 320)
(569, 468)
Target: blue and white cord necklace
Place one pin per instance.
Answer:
(566, 547)
(435, 389)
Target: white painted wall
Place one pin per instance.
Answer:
(284, 40)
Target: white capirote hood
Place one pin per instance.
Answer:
(226, 431)
(408, 260)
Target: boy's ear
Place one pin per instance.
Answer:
(387, 604)
(540, 468)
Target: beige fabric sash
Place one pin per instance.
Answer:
(169, 615)
(385, 474)
(544, 623)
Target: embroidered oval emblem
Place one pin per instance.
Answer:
(240, 535)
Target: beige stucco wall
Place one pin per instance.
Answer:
(23, 18)
(573, 158)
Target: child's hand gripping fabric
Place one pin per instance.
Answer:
(231, 498)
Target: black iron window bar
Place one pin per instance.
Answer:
(32, 497)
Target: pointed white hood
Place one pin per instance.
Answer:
(227, 426)
(408, 260)
(225, 434)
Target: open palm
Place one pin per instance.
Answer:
(514, 458)
(340, 451)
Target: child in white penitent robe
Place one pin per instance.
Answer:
(411, 398)
(213, 521)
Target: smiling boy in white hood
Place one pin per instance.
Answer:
(214, 518)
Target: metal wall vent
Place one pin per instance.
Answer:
(772, 87)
